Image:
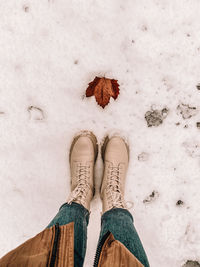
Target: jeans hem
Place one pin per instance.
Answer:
(116, 211)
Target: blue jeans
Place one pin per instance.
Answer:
(117, 221)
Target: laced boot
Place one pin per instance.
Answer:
(83, 154)
(115, 154)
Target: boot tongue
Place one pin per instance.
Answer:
(114, 187)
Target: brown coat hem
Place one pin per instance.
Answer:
(37, 251)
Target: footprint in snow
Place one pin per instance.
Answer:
(186, 111)
(35, 113)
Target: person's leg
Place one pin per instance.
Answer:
(120, 223)
(78, 214)
(82, 156)
(116, 218)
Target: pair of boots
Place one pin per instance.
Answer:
(83, 154)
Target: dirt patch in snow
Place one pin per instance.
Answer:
(143, 156)
(156, 117)
(191, 264)
(186, 111)
(152, 197)
(192, 148)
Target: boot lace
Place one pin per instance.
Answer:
(113, 188)
(79, 194)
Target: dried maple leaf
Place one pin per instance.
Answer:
(103, 88)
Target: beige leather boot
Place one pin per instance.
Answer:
(83, 154)
(115, 154)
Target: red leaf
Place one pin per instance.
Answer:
(103, 88)
(91, 87)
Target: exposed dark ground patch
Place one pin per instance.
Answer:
(198, 125)
(190, 263)
(156, 117)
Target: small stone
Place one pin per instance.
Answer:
(144, 28)
(198, 125)
(143, 156)
(198, 86)
(179, 203)
(177, 124)
(75, 62)
(153, 196)
(26, 8)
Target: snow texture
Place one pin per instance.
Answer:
(49, 51)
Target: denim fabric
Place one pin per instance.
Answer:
(80, 216)
(120, 223)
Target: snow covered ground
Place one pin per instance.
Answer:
(49, 52)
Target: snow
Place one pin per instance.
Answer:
(49, 52)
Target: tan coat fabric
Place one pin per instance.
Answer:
(37, 251)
